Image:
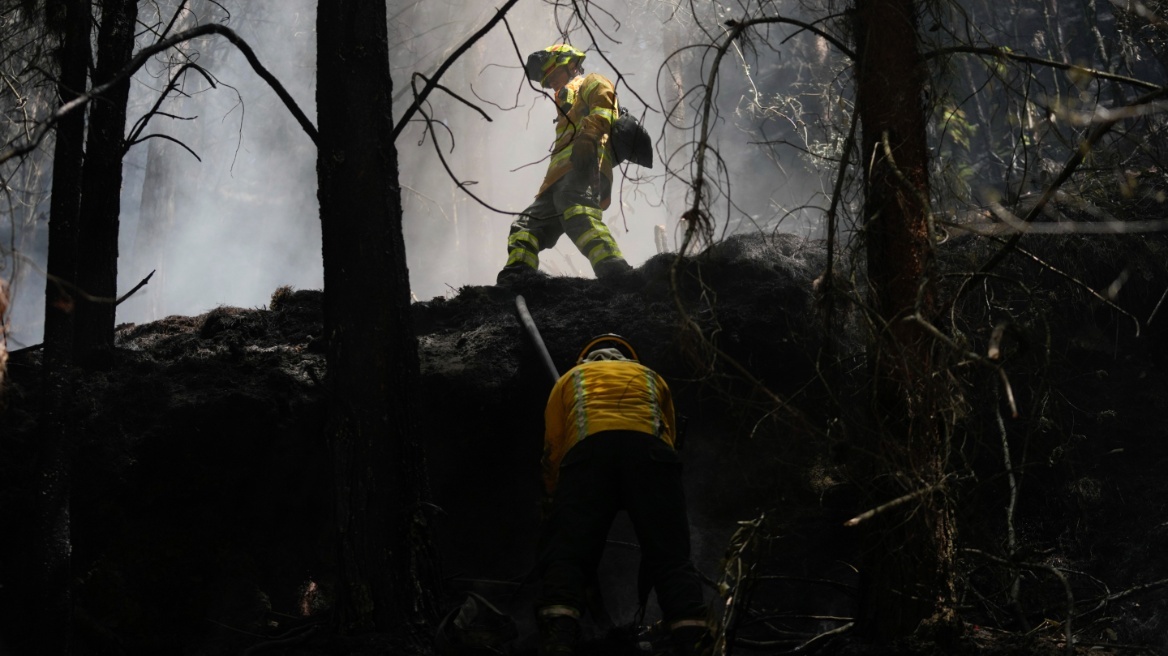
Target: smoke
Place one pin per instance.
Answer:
(230, 227)
(454, 240)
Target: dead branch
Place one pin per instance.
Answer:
(182, 6)
(433, 81)
(1071, 278)
(1157, 308)
(156, 135)
(1069, 168)
(68, 286)
(975, 357)
(461, 184)
(1077, 227)
(1004, 53)
(1132, 591)
(736, 580)
(619, 76)
(994, 350)
(140, 124)
(140, 285)
(140, 60)
(452, 94)
(899, 501)
(828, 293)
(1054, 571)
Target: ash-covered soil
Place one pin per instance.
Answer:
(202, 490)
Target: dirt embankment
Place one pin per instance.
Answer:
(201, 491)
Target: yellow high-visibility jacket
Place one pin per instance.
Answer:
(588, 108)
(603, 396)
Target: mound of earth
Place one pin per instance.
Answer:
(202, 487)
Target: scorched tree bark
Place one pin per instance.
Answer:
(907, 567)
(101, 186)
(385, 554)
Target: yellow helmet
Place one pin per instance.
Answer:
(608, 341)
(541, 63)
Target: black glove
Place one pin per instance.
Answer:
(584, 155)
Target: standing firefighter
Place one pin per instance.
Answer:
(578, 183)
(609, 446)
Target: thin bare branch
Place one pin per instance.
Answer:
(167, 137)
(139, 60)
(899, 501)
(1006, 53)
(455, 96)
(432, 82)
(140, 285)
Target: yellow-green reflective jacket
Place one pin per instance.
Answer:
(587, 108)
(603, 396)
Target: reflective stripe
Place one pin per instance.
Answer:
(606, 248)
(651, 385)
(523, 256)
(563, 130)
(606, 113)
(594, 213)
(581, 412)
(684, 623)
(603, 252)
(590, 88)
(588, 236)
(559, 611)
(521, 237)
(561, 156)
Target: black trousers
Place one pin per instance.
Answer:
(605, 473)
(571, 205)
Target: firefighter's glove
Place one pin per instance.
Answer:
(584, 155)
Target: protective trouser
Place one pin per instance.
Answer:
(605, 473)
(570, 205)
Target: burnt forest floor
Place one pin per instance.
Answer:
(202, 486)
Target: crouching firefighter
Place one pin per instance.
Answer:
(609, 446)
(578, 183)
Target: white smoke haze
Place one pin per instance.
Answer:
(231, 228)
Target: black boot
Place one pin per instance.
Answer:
(611, 268)
(558, 635)
(517, 274)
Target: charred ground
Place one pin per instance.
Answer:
(202, 488)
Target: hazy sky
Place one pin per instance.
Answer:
(244, 220)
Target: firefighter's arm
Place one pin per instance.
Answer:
(553, 436)
(599, 96)
(665, 398)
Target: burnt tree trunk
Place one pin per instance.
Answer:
(68, 155)
(386, 560)
(51, 550)
(907, 567)
(101, 187)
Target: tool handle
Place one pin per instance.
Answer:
(533, 332)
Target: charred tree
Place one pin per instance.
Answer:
(907, 566)
(386, 559)
(51, 551)
(72, 19)
(101, 186)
